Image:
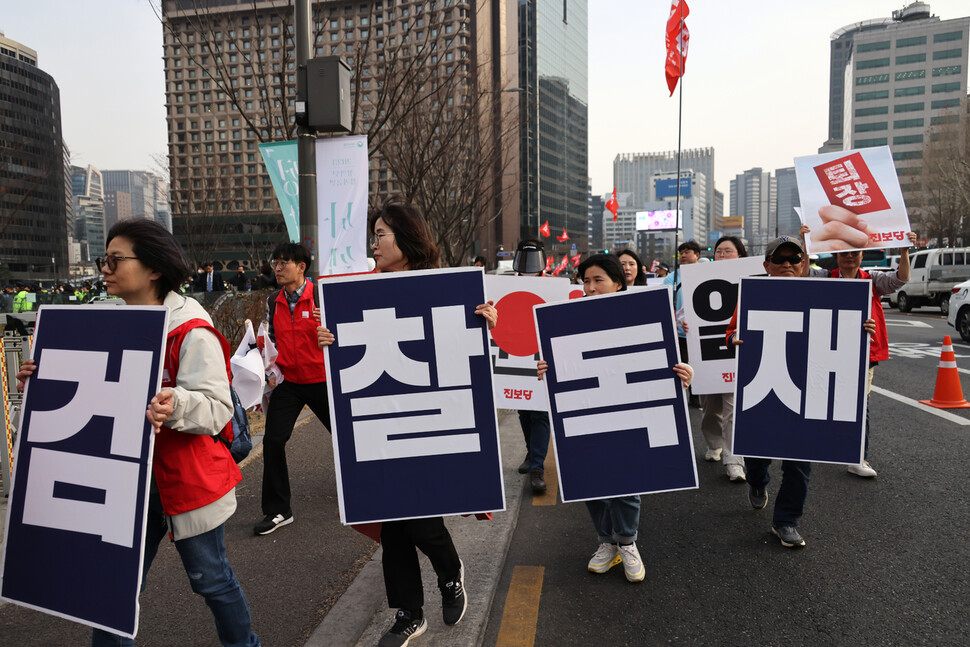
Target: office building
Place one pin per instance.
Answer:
(117, 207)
(754, 197)
(553, 126)
(595, 214)
(33, 214)
(787, 222)
(88, 188)
(901, 81)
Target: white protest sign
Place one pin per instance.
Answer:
(341, 205)
(710, 297)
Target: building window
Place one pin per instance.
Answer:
(948, 36)
(869, 80)
(948, 70)
(908, 155)
(947, 53)
(872, 47)
(870, 96)
(866, 143)
(868, 112)
(908, 123)
(871, 63)
(911, 42)
(911, 58)
(910, 75)
(946, 87)
(908, 107)
(944, 119)
(944, 104)
(908, 139)
(866, 128)
(910, 92)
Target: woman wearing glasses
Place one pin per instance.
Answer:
(401, 241)
(193, 474)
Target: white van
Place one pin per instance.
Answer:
(933, 273)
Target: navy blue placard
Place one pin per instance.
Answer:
(74, 540)
(409, 377)
(801, 394)
(618, 410)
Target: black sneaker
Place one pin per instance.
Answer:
(272, 522)
(788, 535)
(758, 497)
(537, 482)
(524, 467)
(453, 600)
(405, 628)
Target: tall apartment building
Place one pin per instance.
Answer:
(754, 196)
(117, 206)
(231, 82)
(33, 213)
(633, 173)
(88, 188)
(787, 221)
(595, 214)
(902, 80)
(553, 148)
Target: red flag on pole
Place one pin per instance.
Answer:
(549, 260)
(612, 205)
(564, 236)
(544, 229)
(562, 265)
(677, 38)
(576, 259)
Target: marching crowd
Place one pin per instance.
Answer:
(194, 478)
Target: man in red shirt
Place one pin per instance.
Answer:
(293, 328)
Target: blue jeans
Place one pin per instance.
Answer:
(790, 502)
(535, 428)
(617, 519)
(204, 558)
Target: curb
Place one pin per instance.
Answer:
(360, 617)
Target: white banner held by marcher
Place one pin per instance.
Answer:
(248, 375)
(851, 200)
(513, 344)
(341, 205)
(710, 296)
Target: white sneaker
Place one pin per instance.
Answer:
(713, 455)
(863, 469)
(735, 472)
(632, 565)
(606, 557)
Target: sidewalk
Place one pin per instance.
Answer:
(360, 617)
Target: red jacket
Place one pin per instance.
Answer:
(878, 343)
(191, 470)
(295, 335)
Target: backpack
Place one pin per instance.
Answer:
(242, 441)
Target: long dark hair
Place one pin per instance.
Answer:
(156, 248)
(411, 233)
(734, 240)
(640, 278)
(608, 264)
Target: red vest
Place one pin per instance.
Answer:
(191, 470)
(878, 343)
(300, 357)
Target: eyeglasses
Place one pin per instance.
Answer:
(112, 261)
(794, 259)
(375, 240)
(277, 264)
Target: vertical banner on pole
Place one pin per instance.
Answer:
(284, 172)
(74, 541)
(342, 179)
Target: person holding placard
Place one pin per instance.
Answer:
(401, 240)
(689, 253)
(616, 520)
(633, 268)
(882, 283)
(193, 474)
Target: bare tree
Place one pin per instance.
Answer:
(943, 205)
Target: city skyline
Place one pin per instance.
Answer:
(750, 72)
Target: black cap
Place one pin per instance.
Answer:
(529, 257)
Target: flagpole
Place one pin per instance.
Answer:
(680, 112)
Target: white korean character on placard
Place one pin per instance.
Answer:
(612, 385)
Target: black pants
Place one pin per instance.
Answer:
(402, 572)
(285, 405)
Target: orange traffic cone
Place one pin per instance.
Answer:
(948, 393)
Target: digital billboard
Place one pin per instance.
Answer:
(659, 220)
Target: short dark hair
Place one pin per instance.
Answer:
(608, 264)
(156, 248)
(734, 240)
(411, 233)
(691, 245)
(640, 278)
(292, 252)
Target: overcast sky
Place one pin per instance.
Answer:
(756, 83)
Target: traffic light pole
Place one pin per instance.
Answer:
(306, 143)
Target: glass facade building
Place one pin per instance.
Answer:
(553, 83)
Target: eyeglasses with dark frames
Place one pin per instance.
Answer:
(111, 261)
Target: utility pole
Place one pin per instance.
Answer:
(306, 140)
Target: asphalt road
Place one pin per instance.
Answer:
(885, 561)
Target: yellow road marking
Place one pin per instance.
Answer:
(521, 612)
(552, 479)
